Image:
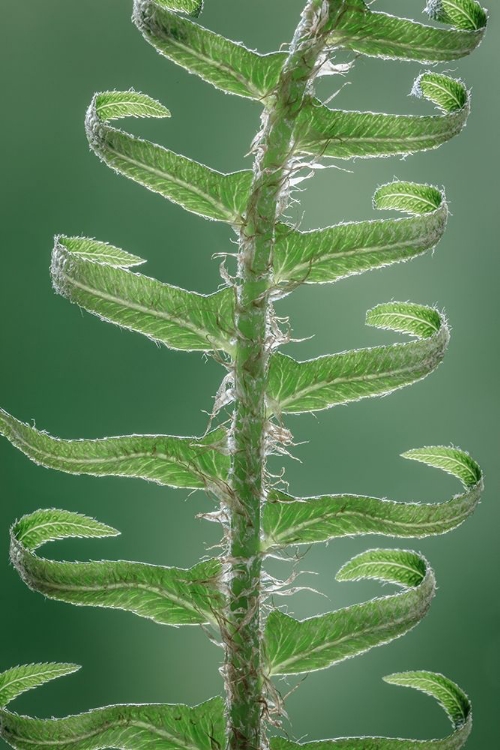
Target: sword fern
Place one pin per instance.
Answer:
(237, 326)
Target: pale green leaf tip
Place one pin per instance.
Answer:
(454, 461)
(113, 105)
(36, 529)
(40, 673)
(448, 694)
(473, 18)
(95, 250)
(447, 94)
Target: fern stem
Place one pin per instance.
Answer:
(274, 148)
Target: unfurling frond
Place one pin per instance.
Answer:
(298, 646)
(164, 313)
(289, 520)
(333, 379)
(192, 185)
(169, 596)
(195, 463)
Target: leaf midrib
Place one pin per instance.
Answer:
(276, 668)
(128, 304)
(358, 251)
(247, 84)
(168, 177)
(75, 739)
(150, 588)
(318, 385)
(458, 499)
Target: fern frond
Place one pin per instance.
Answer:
(450, 697)
(321, 383)
(382, 35)
(298, 646)
(169, 596)
(164, 313)
(128, 727)
(195, 187)
(195, 463)
(322, 256)
(308, 520)
(324, 132)
(227, 65)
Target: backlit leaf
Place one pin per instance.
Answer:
(174, 461)
(165, 313)
(320, 383)
(289, 520)
(192, 185)
(127, 727)
(227, 65)
(299, 646)
(169, 596)
(448, 695)
(325, 132)
(325, 255)
(382, 35)
(18, 680)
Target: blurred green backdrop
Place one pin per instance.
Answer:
(79, 377)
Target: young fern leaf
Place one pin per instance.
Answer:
(299, 646)
(169, 596)
(86, 248)
(449, 696)
(325, 255)
(381, 35)
(156, 727)
(333, 379)
(227, 65)
(288, 520)
(166, 314)
(192, 185)
(194, 463)
(333, 133)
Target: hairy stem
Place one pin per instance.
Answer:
(273, 162)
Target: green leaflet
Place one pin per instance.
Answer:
(333, 133)
(448, 695)
(129, 727)
(165, 313)
(326, 255)
(320, 383)
(86, 248)
(192, 185)
(452, 460)
(18, 680)
(43, 526)
(298, 646)
(289, 520)
(464, 14)
(189, 462)
(227, 65)
(169, 596)
(382, 35)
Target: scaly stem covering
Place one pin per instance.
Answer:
(274, 151)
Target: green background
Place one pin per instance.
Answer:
(80, 378)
